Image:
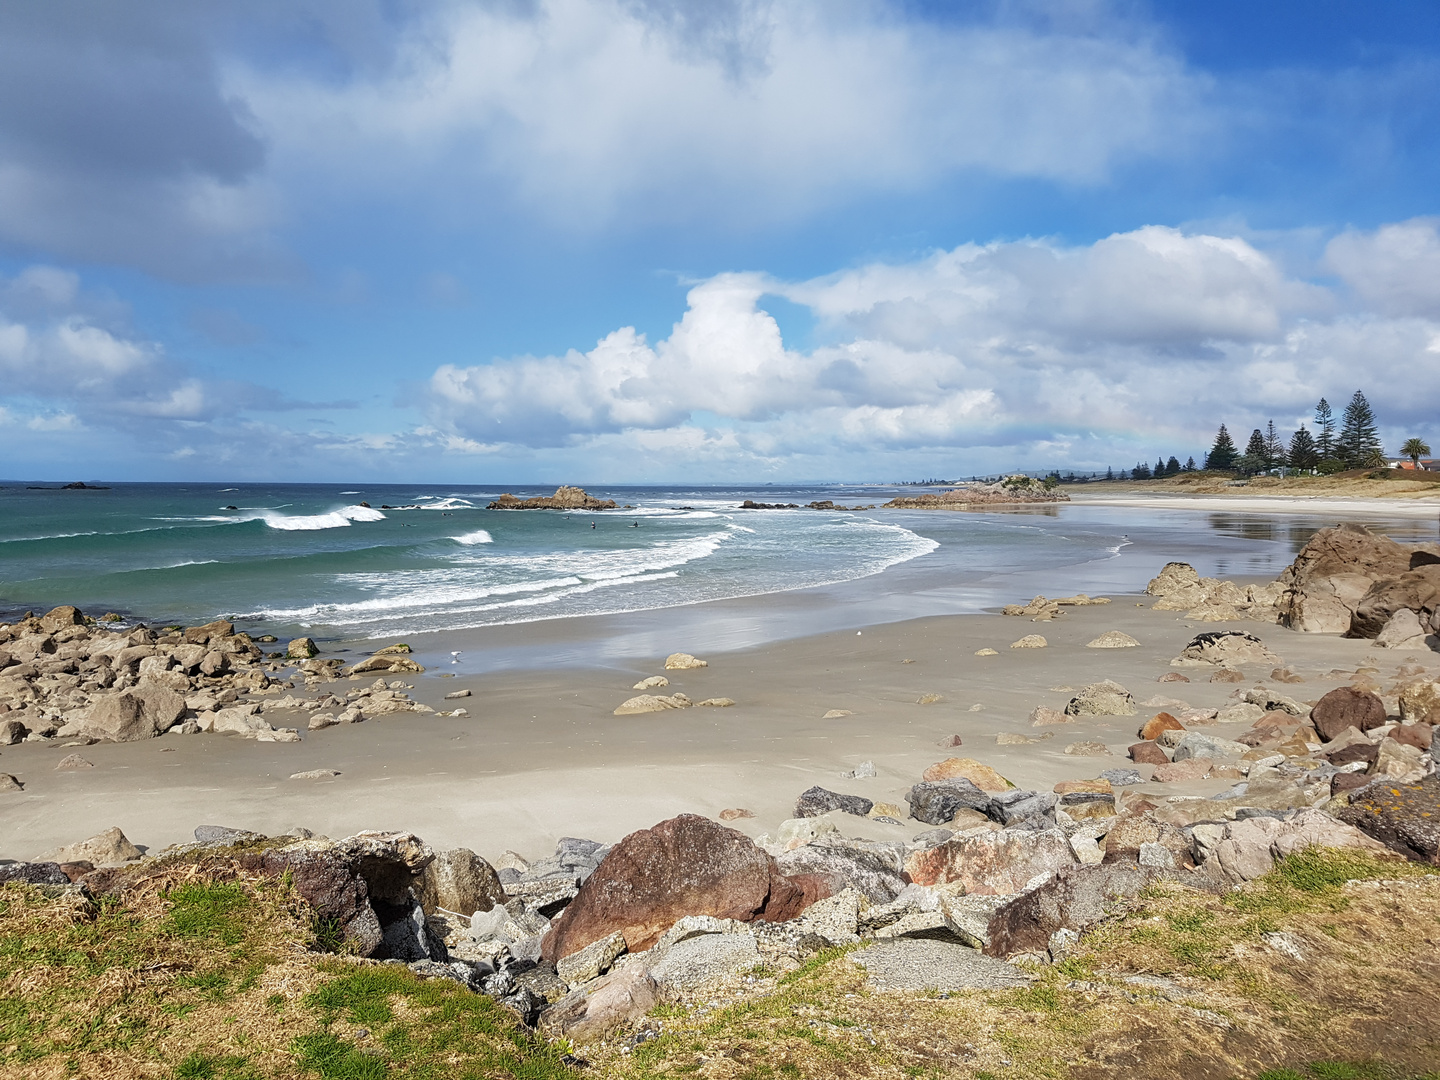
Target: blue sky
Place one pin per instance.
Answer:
(653, 240)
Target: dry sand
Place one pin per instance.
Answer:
(541, 755)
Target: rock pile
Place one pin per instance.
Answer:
(565, 498)
(66, 677)
(1013, 489)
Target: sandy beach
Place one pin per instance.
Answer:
(541, 756)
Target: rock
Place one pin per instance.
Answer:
(57, 619)
(1045, 717)
(140, 713)
(455, 695)
(1088, 805)
(834, 920)
(1030, 641)
(1196, 745)
(864, 771)
(703, 959)
(1250, 846)
(1420, 702)
(648, 703)
(409, 938)
(936, 966)
(1405, 817)
(1181, 772)
(1403, 631)
(1173, 676)
(1174, 577)
(301, 648)
(1227, 675)
(982, 776)
(12, 732)
(1230, 648)
(986, 652)
(1242, 712)
(1396, 759)
(387, 662)
(1420, 736)
(874, 868)
(1067, 787)
(73, 761)
(9, 782)
(34, 873)
(1121, 777)
(1345, 707)
(818, 800)
(1273, 702)
(683, 662)
(1077, 898)
(929, 699)
(937, 802)
(458, 880)
(1088, 749)
(1333, 573)
(203, 635)
(990, 862)
(592, 961)
(1416, 591)
(565, 498)
(1012, 808)
(695, 926)
(315, 774)
(109, 848)
(716, 702)
(1148, 753)
(892, 811)
(599, 1007)
(653, 682)
(1113, 639)
(687, 865)
(1102, 699)
(735, 814)
(1158, 723)
(836, 714)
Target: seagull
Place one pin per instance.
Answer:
(454, 657)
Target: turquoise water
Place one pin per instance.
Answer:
(312, 559)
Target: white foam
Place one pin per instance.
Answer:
(452, 502)
(336, 519)
(479, 536)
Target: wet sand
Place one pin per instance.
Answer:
(541, 755)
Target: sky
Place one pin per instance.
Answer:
(691, 241)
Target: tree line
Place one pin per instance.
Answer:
(1355, 445)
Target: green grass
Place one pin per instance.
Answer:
(1345, 1070)
(209, 910)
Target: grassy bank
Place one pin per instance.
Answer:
(1360, 484)
(1326, 968)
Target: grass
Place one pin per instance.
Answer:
(219, 980)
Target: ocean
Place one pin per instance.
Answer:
(352, 562)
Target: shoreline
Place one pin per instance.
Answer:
(542, 756)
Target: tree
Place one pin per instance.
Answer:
(1415, 449)
(1160, 472)
(1274, 448)
(1325, 425)
(1140, 472)
(1109, 472)
(1190, 464)
(1223, 454)
(1359, 444)
(1172, 467)
(1256, 455)
(1303, 452)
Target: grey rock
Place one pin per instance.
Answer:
(408, 938)
(599, 1007)
(1194, 744)
(935, 965)
(33, 873)
(875, 868)
(460, 881)
(219, 834)
(1076, 898)
(592, 961)
(1122, 777)
(818, 800)
(697, 926)
(1013, 807)
(702, 959)
(968, 917)
(936, 802)
(1270, 701)
(1107, 698)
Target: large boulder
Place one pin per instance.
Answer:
(1404, 631)
(1224, 648)
(1250, 846)
(1345, 707)
(875, 868)
(1077, 898)
(937, 802)
(459, 881)
(1334, 573)
(109, 848)
(957, 768)
(991, 863)
(1420, 702)
(139, 713)
(57, 619)
(687, 865)
(600, 1006)
(1403, 817)
(1417, 591)
(1105, 698)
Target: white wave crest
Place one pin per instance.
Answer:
(336, 519)
(479, 536)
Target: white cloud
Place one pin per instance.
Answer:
(590, 109)
(1139, 343)
(1395, 269)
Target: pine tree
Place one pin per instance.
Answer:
(1160, 468)
(1109, 472)
(1172, 467)
(1223, 454)
(1325, 425)
(1274, 448)
(1303, 452)
(1255, 448)
(1190, 463)
(1359, 443)
(1140, 472)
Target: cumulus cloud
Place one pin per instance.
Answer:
(1141, 341)
(1395, 269)
(584, 110)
